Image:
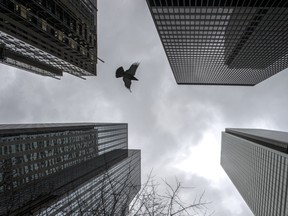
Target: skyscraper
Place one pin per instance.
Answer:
(52, 168)
(256, 161)
(223, 42)
(49, 37)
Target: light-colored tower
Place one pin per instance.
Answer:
(256, 161)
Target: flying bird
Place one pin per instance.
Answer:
(127, 75)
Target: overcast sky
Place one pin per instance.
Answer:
(178, 128)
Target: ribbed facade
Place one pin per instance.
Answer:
(41, 163)
(223, 42)
(256, 161)
(49, 37)
(106, 194)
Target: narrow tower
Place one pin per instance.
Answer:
(256, 161)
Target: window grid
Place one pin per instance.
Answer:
(259, 174)
(223, 42)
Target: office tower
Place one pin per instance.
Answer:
(49, 37)
(109, 193)
(256, 161)
(223, 42)
(51, 168)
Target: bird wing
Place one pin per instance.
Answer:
(133, 68)
(127, 82)
(119, 72)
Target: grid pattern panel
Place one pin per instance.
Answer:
(111, 137)
(27, 158)
(30, 153)
(13, 45)
(117, 186)
(223, 42)
(59, 34)
(260, 174)
(30, 157)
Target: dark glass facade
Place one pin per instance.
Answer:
(223, 42)
(108, 193)
(256, 161)
(41, 163)
(49, 37)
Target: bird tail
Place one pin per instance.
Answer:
(119, 72)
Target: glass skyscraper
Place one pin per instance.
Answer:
(223, 42)
(49, 37)
(256, 161)
(108, 193)
(51, 168)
